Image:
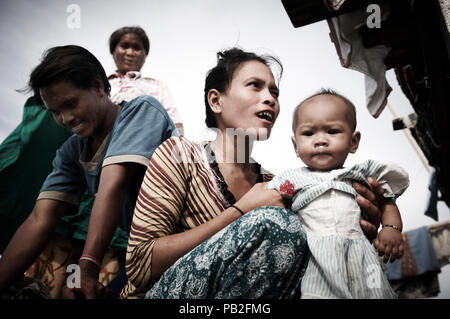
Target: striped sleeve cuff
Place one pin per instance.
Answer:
(126, 159)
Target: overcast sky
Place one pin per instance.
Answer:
(184, 37)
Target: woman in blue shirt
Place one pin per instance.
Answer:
(107, 155)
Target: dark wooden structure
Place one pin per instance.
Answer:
(420, 57)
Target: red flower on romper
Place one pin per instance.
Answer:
(287, 188)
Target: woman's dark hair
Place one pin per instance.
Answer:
(220, 76)
(69, 63)
(115, 37)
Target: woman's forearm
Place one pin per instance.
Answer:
(104, 219)
(168, 249)
(106, 210)
(29, 240)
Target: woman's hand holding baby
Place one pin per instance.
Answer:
(259, 196)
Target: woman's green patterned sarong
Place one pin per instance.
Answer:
(261, 255)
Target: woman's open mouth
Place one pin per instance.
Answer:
(266, 115)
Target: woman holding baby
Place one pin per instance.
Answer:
(205, 225)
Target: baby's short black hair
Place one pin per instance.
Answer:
(351, 117)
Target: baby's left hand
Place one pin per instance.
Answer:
(389, 244)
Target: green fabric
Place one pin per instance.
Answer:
(26, 157)
(76, 226)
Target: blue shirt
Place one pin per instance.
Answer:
(140, 127)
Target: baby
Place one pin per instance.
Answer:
(343, 263)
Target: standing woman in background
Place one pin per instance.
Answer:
(129, 47)
(106, 155)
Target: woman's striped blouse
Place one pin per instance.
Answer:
(182, 188)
